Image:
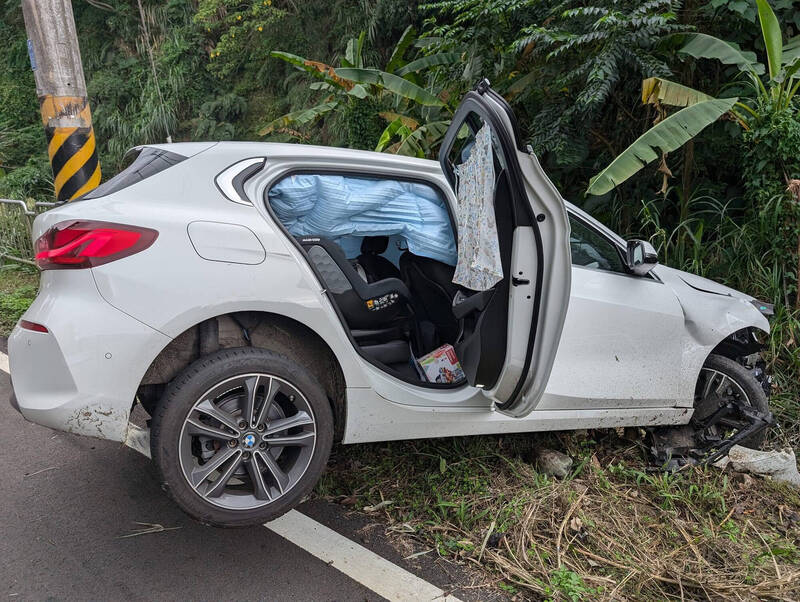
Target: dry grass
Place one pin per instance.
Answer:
(612, 531)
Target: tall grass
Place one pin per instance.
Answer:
(15, 232)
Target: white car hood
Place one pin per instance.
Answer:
(709, 286)
(712, 310)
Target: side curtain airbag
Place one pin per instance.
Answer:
(347, 208)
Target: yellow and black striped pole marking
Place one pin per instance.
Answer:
(72, 150)
(61, 89)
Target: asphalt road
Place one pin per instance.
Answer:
(67, 502)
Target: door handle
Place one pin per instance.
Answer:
(519, 281)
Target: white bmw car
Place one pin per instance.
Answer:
(262, 301)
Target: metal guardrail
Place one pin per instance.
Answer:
(19, 234)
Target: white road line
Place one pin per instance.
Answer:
(357, 562)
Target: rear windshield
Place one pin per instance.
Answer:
(148, 162)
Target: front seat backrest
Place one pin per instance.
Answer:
(376, 265)
(432, 283)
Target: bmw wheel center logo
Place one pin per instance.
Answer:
(249, 440)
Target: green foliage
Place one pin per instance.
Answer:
(355, 95)
(570, 585)
(18, 286)
(362, 122)
(771, 103)
(236, 31)
(33, 179)
(482, 31)
(771, 151)
(218, 116)
(590, 54)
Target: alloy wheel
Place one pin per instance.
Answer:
(247, 441)
(715, 389)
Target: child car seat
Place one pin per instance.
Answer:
(365, 305)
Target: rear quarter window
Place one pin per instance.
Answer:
(147, 161)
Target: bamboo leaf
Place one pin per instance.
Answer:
(657, 90)
(704, 46)
(771, 30)
(664, 137)
(432, 60)
(393, 83)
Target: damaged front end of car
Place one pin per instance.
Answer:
(725, 414)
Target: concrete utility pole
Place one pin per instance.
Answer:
(61, 88)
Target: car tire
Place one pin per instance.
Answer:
(218, 386)
(752, 388)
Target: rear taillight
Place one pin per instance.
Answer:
(79, 244)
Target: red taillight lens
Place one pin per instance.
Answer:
(32, 326)
(80, 244)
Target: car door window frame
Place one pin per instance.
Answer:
(619, 248)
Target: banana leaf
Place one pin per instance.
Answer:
(704, 46)
(791, 51)
(301, 117)
(655, 89)
(664, 137)
(391, 82)
(406, 39)
(420, 142)
(773, 40)
(395, 128)
(353, 53)
(315, 68)
(405, 119)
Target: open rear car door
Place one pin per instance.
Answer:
(512, 318)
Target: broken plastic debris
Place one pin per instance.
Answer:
(778, 465)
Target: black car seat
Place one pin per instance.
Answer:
(432, 284)
(377, 313)
(375, 265)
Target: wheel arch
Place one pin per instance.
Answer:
(739, 343)
(260, 329)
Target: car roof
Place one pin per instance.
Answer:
(285, 148)
(248, 149)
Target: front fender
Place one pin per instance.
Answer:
(711, 315)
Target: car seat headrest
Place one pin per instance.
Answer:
(374, 245)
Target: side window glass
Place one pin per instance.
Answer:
(591, 249)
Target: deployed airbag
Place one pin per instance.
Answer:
(348, 208)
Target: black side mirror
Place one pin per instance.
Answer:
(641, 257)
